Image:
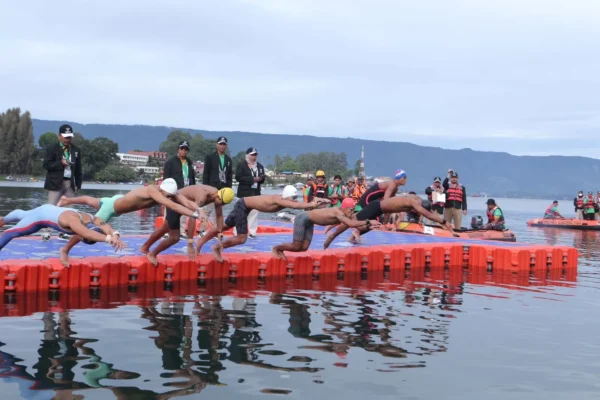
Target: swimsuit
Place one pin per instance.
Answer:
(303, 227)
(107, 208)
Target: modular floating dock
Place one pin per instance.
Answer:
(29, 265)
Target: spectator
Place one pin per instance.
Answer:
(64, 177)
(456, 200)
(218, 173)
(181, 169)
(250, 175)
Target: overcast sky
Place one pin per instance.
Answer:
(510, 75)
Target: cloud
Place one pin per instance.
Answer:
(463, 73)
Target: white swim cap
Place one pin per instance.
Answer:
(289, 191)
(169, 185)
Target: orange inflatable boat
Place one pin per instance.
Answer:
(567, 223)
(483, 234)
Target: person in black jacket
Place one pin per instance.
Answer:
(181, 169)
(218, 166)
(218, 173)
(250, 175)
(64, 177)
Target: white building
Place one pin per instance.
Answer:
(147, 170)
(132, 159)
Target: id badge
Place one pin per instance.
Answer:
(186, 182)
(222, 176)
(255, 186)
(67, 173)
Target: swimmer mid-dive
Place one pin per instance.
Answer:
(137, 199)
(305, 222)
(201, 195)
(394, 205)
(64, 220)
(238, 217)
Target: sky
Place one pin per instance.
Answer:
(521, 76)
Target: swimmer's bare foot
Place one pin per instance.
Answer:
(64, 257)
(1, 222)
(216, 249)
(144, 249)
(63, 201)
(152, 259)
(279, 254)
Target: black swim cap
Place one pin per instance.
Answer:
(426, 204)
(87, 241)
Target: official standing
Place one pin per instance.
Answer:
(250, 175)
(181, 169)
(64, 177)
(218, 172)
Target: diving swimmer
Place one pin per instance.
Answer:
(394, 205)
(305, 221)
(201, 195)
(65, 220)
(239, 217)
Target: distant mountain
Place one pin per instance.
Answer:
(500, 174)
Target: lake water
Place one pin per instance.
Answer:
(425, 340)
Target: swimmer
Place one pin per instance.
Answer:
(394, 205)
(137, 199)
(239, 217)
(65, 220)
(305, 222)
(201, 195)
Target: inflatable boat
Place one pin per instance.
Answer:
(567, 223)
(483, 234)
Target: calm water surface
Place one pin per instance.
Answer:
(411, 338)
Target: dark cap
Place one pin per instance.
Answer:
(66, 130)
(251, 150)
(454, 174)
(184, 143)
(222, 139)
(491, 202)
(437, 179)
(338, 177)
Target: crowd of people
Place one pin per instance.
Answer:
(335, 205)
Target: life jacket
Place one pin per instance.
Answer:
(490, 214)
(454, 193)
(579, 203)
(308, 197)
(550, 212)
(590, 203)
(340, 191)
(438, 203)
(320, 190)
(358, 191)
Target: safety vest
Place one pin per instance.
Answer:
(490, 215)
(358, 191)
(455, 193)
(438, 203)
(308, 197)
(550, 212)
(320, 190)
(340, 191)
(579, 203)
(589, 204)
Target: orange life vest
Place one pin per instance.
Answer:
(455, 193)
(320, 190)
(358, 191)
(579, 203)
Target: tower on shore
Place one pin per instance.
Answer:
(361, 171)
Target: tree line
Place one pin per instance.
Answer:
(19, 154)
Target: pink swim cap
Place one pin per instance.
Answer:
(348, 203)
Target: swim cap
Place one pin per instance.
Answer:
(426, 204)
(94, 228)
(226, 195)
(348, 203)
(399, 174)
(289, 191)
(169, 185)
(320, 173)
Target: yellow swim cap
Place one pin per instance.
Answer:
(226, 195)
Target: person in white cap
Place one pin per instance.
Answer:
(238, 217)
(64, 177)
